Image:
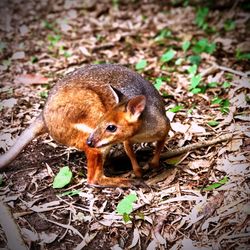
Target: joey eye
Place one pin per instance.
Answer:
(111, 128)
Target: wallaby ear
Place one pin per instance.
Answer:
(117, 94)
(135, 106)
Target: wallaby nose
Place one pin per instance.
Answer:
(90, 142)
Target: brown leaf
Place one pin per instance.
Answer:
(29, 79)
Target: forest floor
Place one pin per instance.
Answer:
(198, 58)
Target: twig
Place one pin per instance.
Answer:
(214, 68)
(194, 146)
(11, 230)
(69, 227)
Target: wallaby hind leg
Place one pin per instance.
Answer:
(95, 173)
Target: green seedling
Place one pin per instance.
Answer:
(216, 184)
(185, 45)
(203, 46)
(125, 206)
(195, 59)
(141, 65)
(158, 83)
(63, 178)
(201, 17)
(176, 109)
(168, 56)
(162, 35)
(229, 25)
(223, 103)
(242, 56)
(213, 123)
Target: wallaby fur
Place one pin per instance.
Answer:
(95, 107)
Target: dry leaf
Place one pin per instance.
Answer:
(234, 145)
(29, 79)
(18, 55)
(178, 127)
(9, 103)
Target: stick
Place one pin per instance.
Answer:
(11, 230)
(194, 146)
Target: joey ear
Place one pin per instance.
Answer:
(119, 96)
(135, 106)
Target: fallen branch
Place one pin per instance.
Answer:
(194, 146)
(214, 68)
(11, 230)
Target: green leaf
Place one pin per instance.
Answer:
(165, 33)
(216, 184)
(226, 85)
(168, 56)
(217, 100)
(186, 45)
(126, 217)
(213, 84)
(196, 90)
(125, 206)
(200, 18)
(141, 64)
(63, 178)
(242, 56)
(192, 70)
(179, 61)
(158, 83)
(229, 25)
(195, 81)
(176, 109)
(204, 46)
(213, 123)
(195, 59)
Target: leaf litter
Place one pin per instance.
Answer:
(176, 213)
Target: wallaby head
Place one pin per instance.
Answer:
(120, 123)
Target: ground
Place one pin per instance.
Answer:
(197, 56)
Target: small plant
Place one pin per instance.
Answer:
(63, 178)
(195, 87)
(54, 39)
(168, 56)
(203, 46)
(229, 25)
(176, 109)
(125, 206)
(201, 17)
(242, 56)
(216, 184)
(223, 103)
(185, 45)
(142, 64)
(158, 83)
(195, 59)
(164, 33)
(213, 123)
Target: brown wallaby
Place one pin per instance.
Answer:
(95, 107)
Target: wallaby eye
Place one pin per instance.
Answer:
(111, 128)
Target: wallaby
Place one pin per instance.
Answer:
(95, 107)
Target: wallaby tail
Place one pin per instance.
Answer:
(36, 128)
